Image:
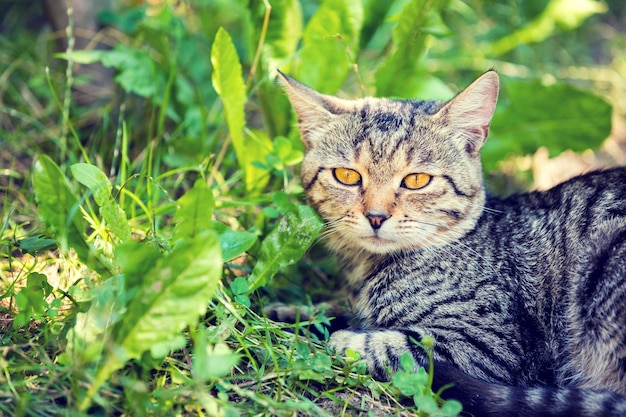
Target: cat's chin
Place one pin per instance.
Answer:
(380, 246)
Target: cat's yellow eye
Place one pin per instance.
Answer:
(416, 181)
(347, 176)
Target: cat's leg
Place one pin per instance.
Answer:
(382, 349)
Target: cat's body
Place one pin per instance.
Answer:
(525, 297)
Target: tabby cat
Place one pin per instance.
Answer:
(524, 296)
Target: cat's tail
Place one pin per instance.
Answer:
(484, 399)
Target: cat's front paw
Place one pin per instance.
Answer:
(358, 340)
(342, 340)
(380, 349)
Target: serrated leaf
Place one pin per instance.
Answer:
(559, 117)
(194, 211)
(285, 244)
(58, 207)
(324, 61)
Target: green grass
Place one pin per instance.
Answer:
(142, 235)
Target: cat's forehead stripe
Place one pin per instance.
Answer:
(386, 126)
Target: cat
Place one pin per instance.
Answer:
(525, 296)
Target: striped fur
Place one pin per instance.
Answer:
(525, 296)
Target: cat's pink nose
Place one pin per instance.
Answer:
(376, 219)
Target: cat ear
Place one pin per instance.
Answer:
(471, 110)
(314, 110)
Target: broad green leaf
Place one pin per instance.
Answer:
(35, 243)
(98, 183)
(374, 16)
(174, 294)
(558, 15)
(116, 220)
(240, 289)
(284, 30)
(258, 145)
(286, 244)
(559, 117)
(127, 20)
(233, 242)
(332, 31)
(136, 260)
(303, 349)
(402, 74)
(107, 306)
(228, 83)
(194, 211)
(58, 207)
(284, 33)
(94, 179)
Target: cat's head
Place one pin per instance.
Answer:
(390, 176)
